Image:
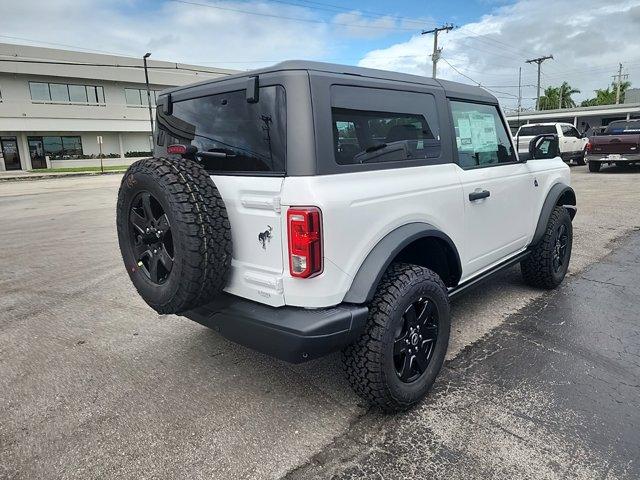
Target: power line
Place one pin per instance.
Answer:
(295, 19)
(475, 81)
(364, 13)
(113, 65)
(65, 45)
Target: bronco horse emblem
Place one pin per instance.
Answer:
(265, 237)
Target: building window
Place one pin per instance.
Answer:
(59, 147)
(65, 93)
(137, 97)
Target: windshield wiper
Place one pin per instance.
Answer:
(219, 154)
(375, 148)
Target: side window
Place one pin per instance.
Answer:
(481, 137)
(574, 133)
(374, 126)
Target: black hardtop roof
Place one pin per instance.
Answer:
(452, 89)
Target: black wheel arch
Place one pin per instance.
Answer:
(418, 243)
(559, 194)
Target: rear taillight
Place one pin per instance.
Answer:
(176, 149)
(304, 227)
(589, 147)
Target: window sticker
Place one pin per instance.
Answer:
(483, 130)
(465, 139)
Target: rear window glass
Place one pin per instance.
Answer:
(535, 130)
(623, 128)
(243, 137)
(374, 125)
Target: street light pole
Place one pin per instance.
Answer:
(146, 79)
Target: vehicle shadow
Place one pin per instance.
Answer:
(620, 169)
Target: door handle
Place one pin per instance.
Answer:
(473, 196)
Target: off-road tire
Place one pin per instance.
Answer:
(594, 167)
(580, 160)
(537, 269)
(200, 229)
(368, 362)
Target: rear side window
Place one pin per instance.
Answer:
(623, 128)
(374, 125)
(241, 137)
(481, 137)
(535, 130)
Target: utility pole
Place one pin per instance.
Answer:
(539, 61)
(519, 104)
(619, 76)
(435, 56)
(560, 96)
(519, 93)
(146, 80)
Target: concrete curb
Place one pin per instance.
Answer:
(46, 176)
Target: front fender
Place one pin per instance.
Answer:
(559, 194)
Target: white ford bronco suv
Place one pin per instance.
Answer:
(308, 208)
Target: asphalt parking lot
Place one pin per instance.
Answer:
(94, 384)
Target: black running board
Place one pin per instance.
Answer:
(463, 287)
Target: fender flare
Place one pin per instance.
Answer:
(366, 280)
(559, 194)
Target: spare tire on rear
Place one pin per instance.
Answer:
(174, 233)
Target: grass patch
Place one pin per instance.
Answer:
(109, 168)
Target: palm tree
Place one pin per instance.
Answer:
(607, 96)
(566, 91)
(558, 97)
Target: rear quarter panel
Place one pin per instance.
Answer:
(358, 210)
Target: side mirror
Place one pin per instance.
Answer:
(544, 146)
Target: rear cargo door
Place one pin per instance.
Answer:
(253, 206)
(240, 139)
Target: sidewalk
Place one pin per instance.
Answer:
(20, 175)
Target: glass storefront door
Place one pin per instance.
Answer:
(36, 151)
(9, 146)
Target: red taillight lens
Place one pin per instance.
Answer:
(589, 147)
(176, 149)
(304, 227)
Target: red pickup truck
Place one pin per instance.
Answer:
(619, 144)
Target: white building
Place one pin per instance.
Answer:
(585, 119)
(54, 104)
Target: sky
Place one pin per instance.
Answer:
(491, 40)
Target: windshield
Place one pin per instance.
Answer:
(534, 130)
(239, 136)
(623, 128)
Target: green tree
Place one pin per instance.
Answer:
(558, 97)
(606, 96)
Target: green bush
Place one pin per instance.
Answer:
(137, 154)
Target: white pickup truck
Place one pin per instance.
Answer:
(572, 144)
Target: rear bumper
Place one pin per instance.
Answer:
(292, 334)
(624, 157)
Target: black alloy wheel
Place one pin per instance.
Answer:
(151, 237)
(415, 340)
(560, 248)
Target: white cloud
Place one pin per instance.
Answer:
(363, 27)
(587, 39)
(173, 31)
